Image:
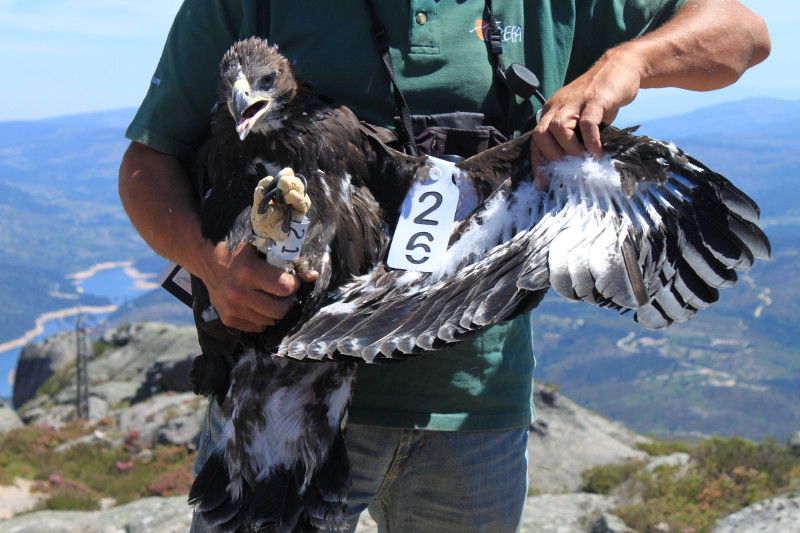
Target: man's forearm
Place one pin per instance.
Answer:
(707, 45)
(158, 196)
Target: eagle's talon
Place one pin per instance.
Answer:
(262, 205)
(302, 179)
(287, 219)
(293, 187)
(277, 200)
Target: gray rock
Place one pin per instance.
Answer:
(39, 361)
(794, 442)
(113, 393)
(9, 419)
(774, 515)
(608, 523)
(117, 337)
(166, 419)
(95, 436)
(150, 343)
(564, 513)
(149, 515)
(167, 374)
(567, 439)
(680, 461)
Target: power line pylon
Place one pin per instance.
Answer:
(82, 356)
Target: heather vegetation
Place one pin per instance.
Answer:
(77, 466)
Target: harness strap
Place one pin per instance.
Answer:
(495, 44)
(406, 135)
(517, 79)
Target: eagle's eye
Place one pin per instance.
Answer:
(267, 81)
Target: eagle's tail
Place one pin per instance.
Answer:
(281, 465)
(209, 496)
(275, 504)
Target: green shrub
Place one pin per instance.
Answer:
(727, 475)
(70, 499)
(660, 447)
(605, 478)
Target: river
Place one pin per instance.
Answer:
(117, 281)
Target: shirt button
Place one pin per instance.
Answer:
(421, 18)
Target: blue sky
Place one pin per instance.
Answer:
(63, 57)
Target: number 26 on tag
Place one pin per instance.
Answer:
(423, 231)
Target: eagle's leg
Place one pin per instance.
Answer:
(281, 461)
(278, 218)
(272, 199)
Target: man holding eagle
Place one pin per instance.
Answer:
(438, 442)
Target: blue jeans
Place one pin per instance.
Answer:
(416, 481)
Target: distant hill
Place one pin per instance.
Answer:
(733, 369)
(59, 210)
(753, 143)
(731, 117)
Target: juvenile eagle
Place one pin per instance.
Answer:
(645, 228)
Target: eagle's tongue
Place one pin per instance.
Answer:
(244, 125)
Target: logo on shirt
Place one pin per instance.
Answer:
(510, 34)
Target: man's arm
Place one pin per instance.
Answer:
(707, 45)
(158, 195)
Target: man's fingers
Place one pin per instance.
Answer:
(590, 131)
(546, 145)
(268, 306)
(254, 311)
(564, 135)
(251, 327)
(307, 276)
(537, 161)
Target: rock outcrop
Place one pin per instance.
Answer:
(134, 364)
(774, 515)
(139, 378)
(148, 515)
(39, 361)
(567, 439)
(9, 419)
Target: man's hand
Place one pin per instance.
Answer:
(582, 105)
(707, 45)
(248, 293)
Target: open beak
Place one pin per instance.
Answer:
(246, 108)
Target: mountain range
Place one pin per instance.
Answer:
(734, 369)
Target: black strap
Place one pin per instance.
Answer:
(495, 44)
(406, 133)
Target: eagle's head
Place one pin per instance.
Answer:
(256, 83)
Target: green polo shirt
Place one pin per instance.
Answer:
(442, 65)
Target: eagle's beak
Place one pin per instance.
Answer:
(246, 107)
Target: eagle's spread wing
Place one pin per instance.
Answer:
(645, 228)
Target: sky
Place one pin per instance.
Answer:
(63, 57)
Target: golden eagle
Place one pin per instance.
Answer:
(645, 228)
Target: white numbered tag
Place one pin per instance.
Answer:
(289, 249)
(426, 220)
